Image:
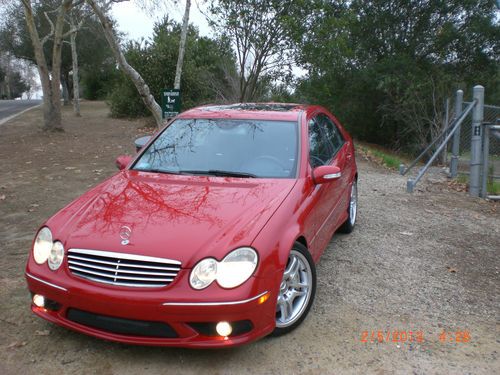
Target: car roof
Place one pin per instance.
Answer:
(260, 111)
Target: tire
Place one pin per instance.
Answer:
(297, 290)
(352, 210)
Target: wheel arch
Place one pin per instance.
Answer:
(302, 240)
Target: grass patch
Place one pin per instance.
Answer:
(381, 156)
(390, 161)
(492, 186)
(463, 178)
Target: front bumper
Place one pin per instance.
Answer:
(158, 307)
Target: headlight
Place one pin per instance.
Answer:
(43, 245)
(203, 274)
(232, 271)
(56, 256)
(236, 267)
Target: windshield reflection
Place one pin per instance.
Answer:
(241, 148)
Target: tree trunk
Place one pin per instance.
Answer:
(50, 83)
(56, 62)
(7, 61)
(182, 46)
(65, 89)
(7, 85)
(76, 83)
(136, 78)
(41, 64)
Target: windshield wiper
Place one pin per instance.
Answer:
(158, 170)
(219, 173)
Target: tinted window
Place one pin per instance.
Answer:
(319, 149)
(260, 148)
(332, 133)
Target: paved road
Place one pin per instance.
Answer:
(10, 108)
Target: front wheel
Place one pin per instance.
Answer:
(297, 290)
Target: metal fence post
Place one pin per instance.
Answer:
(402, 169)
(410, 185)
(486, 152)
(475, 149)
(444, 126)
(456, 137)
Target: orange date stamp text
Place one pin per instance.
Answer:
(407, 336)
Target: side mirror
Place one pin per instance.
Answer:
(141, 142)
(326, 173)
(122, 161)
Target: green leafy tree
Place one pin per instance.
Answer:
(92, 49)
(262, 40)
(18, 86)
(208, 69)
(386, 67)
(12, 84)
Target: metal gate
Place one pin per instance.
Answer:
(475, 146)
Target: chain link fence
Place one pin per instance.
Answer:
(485, 169)
(491, 115)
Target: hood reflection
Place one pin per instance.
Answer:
(166, 212)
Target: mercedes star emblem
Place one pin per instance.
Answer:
(125, 233)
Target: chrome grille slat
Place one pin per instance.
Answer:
(113, 269)
(122, 256)
(120, 277)
(122, 269)
(173, 268)
(119, 283)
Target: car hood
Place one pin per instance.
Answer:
(184, 218)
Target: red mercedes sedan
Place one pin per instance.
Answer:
(208, 237)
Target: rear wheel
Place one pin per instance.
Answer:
(352, 210)
(297, 290)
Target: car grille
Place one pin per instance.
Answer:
(122, 269)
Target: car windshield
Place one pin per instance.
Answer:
(224, 147)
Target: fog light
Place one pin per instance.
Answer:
(38, 300)
(223, 329)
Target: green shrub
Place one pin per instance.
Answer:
(204, 73)
(97, 84)
(124, 101)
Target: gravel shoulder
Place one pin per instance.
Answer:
(427, 263)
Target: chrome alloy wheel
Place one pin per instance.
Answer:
(353, 204)
(295, 290)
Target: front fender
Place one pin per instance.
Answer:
(277, 237)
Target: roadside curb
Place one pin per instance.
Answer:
(17, 114)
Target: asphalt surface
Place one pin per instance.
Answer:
(9, 108)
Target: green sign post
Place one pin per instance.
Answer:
(170, 103)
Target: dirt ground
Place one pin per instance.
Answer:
(426, 263)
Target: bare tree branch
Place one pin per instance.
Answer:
(182, 46)
(140, 84)
(52, 29)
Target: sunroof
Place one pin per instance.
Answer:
(281, 107)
